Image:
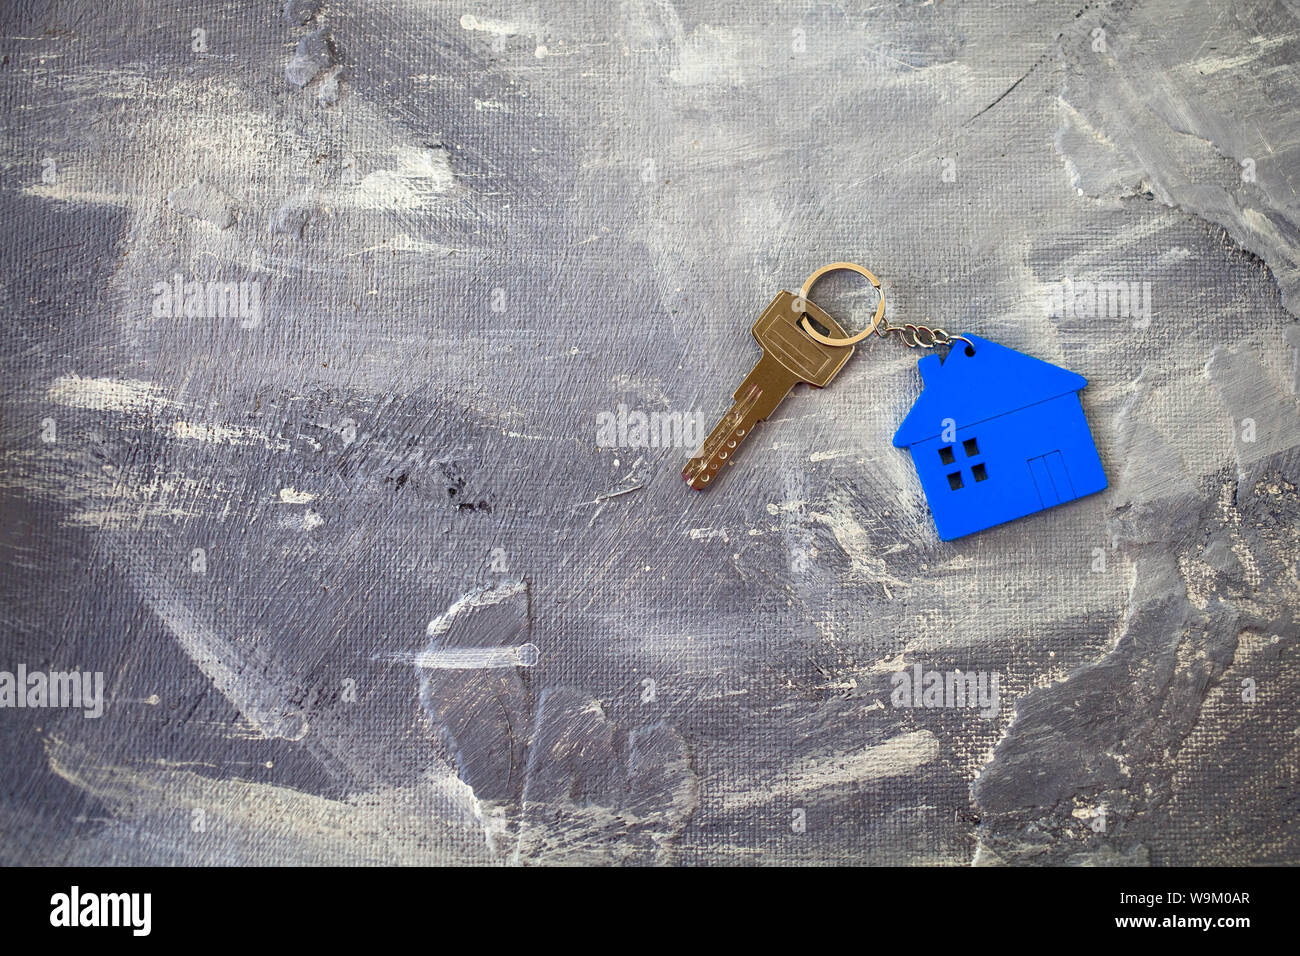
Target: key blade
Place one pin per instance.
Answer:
(723, 441)
(758, 396)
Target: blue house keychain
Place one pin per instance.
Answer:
(995, 435)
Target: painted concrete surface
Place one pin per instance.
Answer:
(336, 333)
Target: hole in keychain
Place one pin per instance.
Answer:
(913, 336)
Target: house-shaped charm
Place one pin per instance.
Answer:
(997, 435)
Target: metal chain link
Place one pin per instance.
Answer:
(919, 336)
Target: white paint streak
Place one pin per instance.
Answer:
(382, 826)
(855, 542)
(292, 496)
(417, 178)
(1209, 65)
(66, 192)
(828, 455)
(109, 395)
(504, 28)
(473, 658)
(249, 683)
(483, 597)
(405, 243)
(214, 434)
(896, 757)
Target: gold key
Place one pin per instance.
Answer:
(789, 357)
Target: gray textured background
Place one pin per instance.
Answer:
(399, 443)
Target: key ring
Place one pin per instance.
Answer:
(913, 336)
(852, 339)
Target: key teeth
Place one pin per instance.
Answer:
(704, 466)
(703, 469)
(696, 474)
